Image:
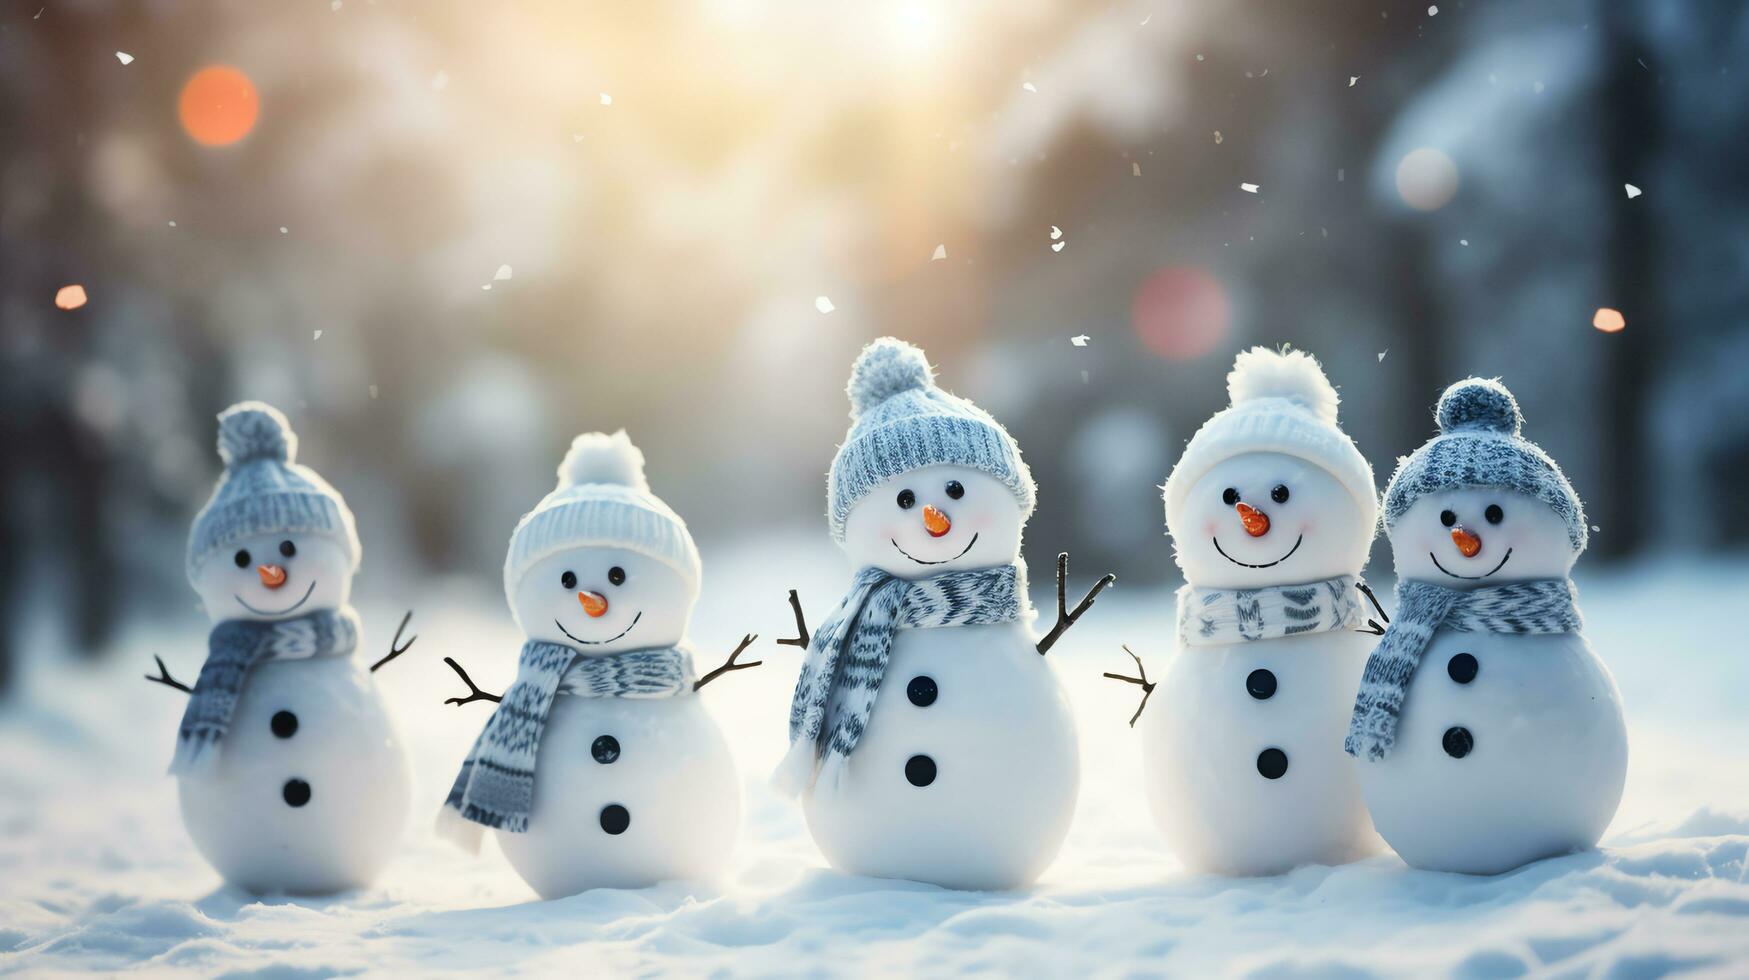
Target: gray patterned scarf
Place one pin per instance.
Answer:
(495, 787)
(847, 659)
(1210, 616)
(1546, 606)
(233, 647)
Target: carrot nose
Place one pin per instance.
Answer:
(1468, 543)
(1256, 522)
(272, 576)
(935, 521)
(594, 603)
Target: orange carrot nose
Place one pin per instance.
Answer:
(272, 576)
(1468, 543)
(935, 520)
(1256, 522)
(594, 603)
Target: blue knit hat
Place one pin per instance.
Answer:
(264, 491)
(1479, 447)
(900, 421)
(602, 501)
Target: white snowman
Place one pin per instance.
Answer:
(600, 768)
(1271, 511)
(1489, 734)
(930, 739)
(291, 775)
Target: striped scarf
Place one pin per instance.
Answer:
(233, 647)
(1546, 606)
(1210, 616)
(495, 787)
(847, 659)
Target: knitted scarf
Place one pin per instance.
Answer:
(495, 787)
(1210, 616)
(233, 647)
(845, 663)
(1546, 606)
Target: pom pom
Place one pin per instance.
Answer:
(1478, 403)
(254, 431)
(1291, 374)
(884, 369)
(596, 457)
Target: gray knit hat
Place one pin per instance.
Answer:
(1479, 447)
(264, 491)
(900, 421)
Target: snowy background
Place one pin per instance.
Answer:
(445, 238)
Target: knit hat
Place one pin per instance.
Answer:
(1478, 446)
(1281, 403)
(900, 421)
(602, 501)
(263, 491)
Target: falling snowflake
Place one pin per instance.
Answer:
(823, 304)
(1145, 20)
(1248, 188)
(1057, 246)
(1352, 79)
(502, 274)
(1217, 137)
(940, 253)
(1135, 169)
(124, 57)
(1056, 233)
(1433, 11)
(373, 393)
(284, 230)
(70, 297)
(318, 336)
(1079, 340)
(606, 99)
(172, 224)
(1029, 87)
(1633, 191)
(1382, 354)
(1463, 241)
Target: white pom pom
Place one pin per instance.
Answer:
(596, 457)
(884, 369)
(1294, 375)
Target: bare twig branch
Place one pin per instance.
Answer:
(1066, 617)
(165, 679)
(730, 663)
(1374, 600)
(396, 647)
(1373, 627)
(474, 693)
(1146, 685)
(801, 638)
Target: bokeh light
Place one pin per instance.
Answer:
(218, 105)
(1608, 320)
(1181, 312)
(1427, 179)
(70, 297)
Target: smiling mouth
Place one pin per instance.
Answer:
(596, 643)
(944, 561)
(1453, 574)
(1290, 553)
(271, 612)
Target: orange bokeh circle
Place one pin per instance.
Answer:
(218, 105)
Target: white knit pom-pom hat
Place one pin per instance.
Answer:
(602, 501)
(1281, 403)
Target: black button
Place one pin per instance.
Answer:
(605, 749)
(1260, 684)
(1458, 742)
(920, 770)
(296, 792)
(1272, 763)
(1462, 668)
(922, 691)
(285, 724)
(615, 819)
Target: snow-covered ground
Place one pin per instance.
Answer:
(96, 873)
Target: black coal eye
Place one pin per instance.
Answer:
(242, 559)
(287, 549)
(568, 580)
(1229, 496)
(907, 500)
(955, 490)
(1447, 518)
(1279, 494)
(1494, 514)
(616, 575)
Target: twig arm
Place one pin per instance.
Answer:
(474, 692)
(1066, 617)
(165, 679)
(396, 647)
(1146, 685)
(730, 663)
(1372, 625)
(802, 637)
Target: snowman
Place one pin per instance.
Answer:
(930, 739)
(1271, 511)
(600, 768)
(1489, 734)
(291, 775)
